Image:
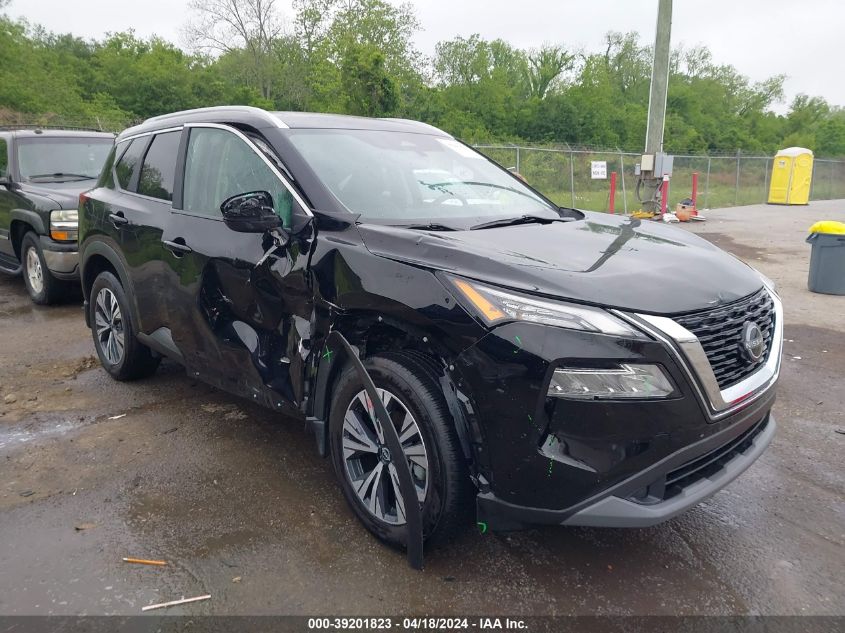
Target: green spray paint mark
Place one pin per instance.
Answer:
(551, 463)
(482, 527)
(518, 341)
(327, 355)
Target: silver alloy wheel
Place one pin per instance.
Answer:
(34, 272)
(108, 322)
(367, 458)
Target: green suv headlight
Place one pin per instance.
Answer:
(495, 306)
(64, 225)
(625, 381)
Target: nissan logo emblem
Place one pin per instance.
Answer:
(752, 340)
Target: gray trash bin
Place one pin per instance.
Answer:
(827, 260)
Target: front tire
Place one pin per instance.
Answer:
(426, 430)
(42, 286)
(122, 355)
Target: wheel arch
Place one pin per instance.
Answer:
(371, 335)
(19, 227)
(99, 257)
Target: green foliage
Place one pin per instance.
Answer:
(368, 89)
(357, 57)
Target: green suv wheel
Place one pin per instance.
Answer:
(42, 287)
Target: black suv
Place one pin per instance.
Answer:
(42, 173)
(538, 364)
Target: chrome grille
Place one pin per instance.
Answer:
(720, 333)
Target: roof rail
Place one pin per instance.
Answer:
(275, 121)
(33, 126)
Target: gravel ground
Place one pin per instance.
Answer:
(240, 505)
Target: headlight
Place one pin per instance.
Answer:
(625, 381)
(496, 306)
(64, 225)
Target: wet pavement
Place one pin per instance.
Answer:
(238, 503)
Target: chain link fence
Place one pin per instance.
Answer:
(564, 175)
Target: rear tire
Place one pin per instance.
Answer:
(408, 389)
(42, 286)
(122, 355)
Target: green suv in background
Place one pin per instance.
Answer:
(42, 173)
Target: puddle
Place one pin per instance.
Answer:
(11, 438)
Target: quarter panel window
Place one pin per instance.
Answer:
(159, 169)
(221, 165)
(131, 157)
(4, 158)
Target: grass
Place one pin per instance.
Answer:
(598, 200)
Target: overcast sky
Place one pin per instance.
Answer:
(760, 37)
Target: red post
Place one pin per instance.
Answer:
(694, 195)
(612, 203)
(664, 195)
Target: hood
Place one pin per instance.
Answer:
(65, 195)
(603, 259)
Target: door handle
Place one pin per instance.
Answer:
(117, 219)
(177, 246)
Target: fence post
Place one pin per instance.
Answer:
(572, 177)
(812, 179)
(830, 181)
(766, 183)
(622, 170)
(707, 185)
(612, 201)
(694, 195)
(517, 160)
(736, 187)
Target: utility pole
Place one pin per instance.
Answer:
(650, 178)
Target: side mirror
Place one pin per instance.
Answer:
(251, 212)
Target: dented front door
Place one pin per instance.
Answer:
(233, 305)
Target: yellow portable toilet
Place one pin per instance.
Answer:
(792, 173)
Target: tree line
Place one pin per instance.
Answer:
(358, 57)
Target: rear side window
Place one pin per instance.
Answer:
(221, 165)
(159, 169)
(131, 157)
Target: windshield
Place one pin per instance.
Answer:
(409, 179)
(58, 159)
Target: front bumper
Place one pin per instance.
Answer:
(710, 472)
(542, 459)
(62, 259)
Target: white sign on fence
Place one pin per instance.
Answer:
(598, 170)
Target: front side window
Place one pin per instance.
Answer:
(158, 172)
(221, 165)
(61, 159)
(405, 178)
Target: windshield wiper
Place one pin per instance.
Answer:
(60, 174)
(523, 219)
(431, 226)
(486, 184)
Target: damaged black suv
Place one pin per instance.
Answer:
(538, 364)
